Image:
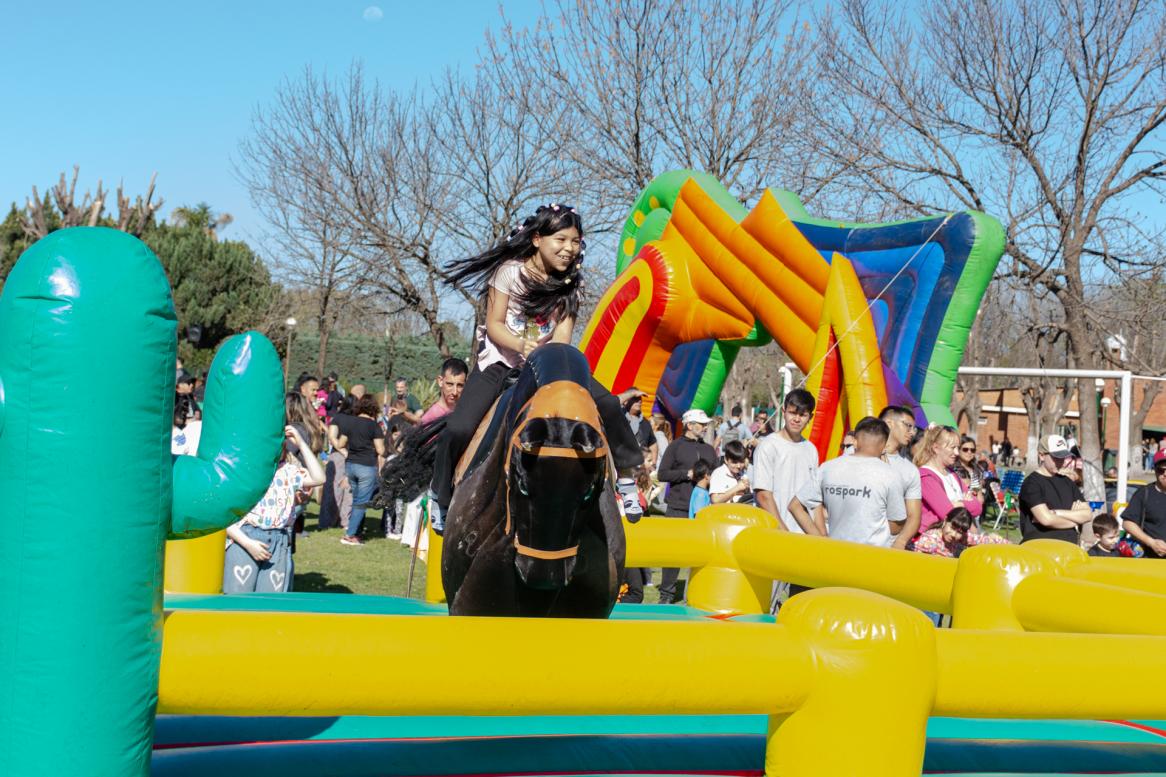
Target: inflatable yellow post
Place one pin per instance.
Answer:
(195, 566)
(720, 585)
(874, 679)
(434, 590)
(985, 579)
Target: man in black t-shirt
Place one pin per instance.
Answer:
(1145, 517)
(1052, 506)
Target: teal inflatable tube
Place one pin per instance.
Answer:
(86, 495)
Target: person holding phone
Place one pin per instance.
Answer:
(942, 489)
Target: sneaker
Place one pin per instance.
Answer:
(436, 514)
(629, 499)
(394, 535)
(347, 540)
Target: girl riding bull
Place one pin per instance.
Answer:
(531, 282)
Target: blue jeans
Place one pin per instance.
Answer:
(362, 479)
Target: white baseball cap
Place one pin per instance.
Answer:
(695, 416)
(1056, 446)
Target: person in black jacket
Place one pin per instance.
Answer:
(676, 470)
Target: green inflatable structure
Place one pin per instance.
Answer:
(90, 493)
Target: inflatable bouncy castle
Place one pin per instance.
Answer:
(871, 313)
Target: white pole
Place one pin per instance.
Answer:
(1035, 372)
(1123, 446)
(787, 381)
(1123, 454)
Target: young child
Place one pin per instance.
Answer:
(259, 553)
(1105, 529)
(531, 285)
(954, 535)
(643, 478)
(700, 491)
(184, 435)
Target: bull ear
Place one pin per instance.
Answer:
(584, 438)
(534, 434)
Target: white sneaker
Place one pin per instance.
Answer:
(629, 499)
(436, 519)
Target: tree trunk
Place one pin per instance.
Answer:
(1151, 390)
(322, 351)
(1094, 478)
(1031, 398)
(969, 405)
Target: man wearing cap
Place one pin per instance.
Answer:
(676, 470)
(1051, 505)
(1145, 517)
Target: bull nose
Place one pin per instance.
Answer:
(545, 574)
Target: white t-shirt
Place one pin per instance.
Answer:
(508, 280)
(909, 475)
(721, 480)
(951, 484)
(184, 441)
(861, 494)
(782, 468)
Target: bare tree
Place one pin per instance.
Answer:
(309, 245)
(1132, 311)
(379, 190)
(132, 216)
(653, 86)
(1047, 113)
(359, 162)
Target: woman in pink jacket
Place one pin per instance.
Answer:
(942, 488)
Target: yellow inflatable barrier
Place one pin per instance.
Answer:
(838, 659)
(195, 566)
(734, 553)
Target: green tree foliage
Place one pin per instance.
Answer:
(221, 287)
(372, 360)
(13, 241)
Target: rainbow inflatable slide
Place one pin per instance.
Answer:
(871, 313)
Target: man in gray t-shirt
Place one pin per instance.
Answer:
(900, 423)
(862, 494)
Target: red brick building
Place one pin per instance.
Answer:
(1003, 413)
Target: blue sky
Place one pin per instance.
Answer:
(124, 89)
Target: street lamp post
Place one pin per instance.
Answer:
(291, 330)
(1105, 403)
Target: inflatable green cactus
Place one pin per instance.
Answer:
(89, 493)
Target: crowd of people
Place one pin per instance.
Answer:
(894, 485)
(336, 442)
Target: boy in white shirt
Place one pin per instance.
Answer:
(785, 461)
(729, 483)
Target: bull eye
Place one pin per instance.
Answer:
(584, 439)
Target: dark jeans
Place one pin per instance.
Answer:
(635, 577)
(669, 592)
(482, 388)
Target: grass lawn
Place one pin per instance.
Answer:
(381, 566)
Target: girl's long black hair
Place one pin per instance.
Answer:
(557, 297)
